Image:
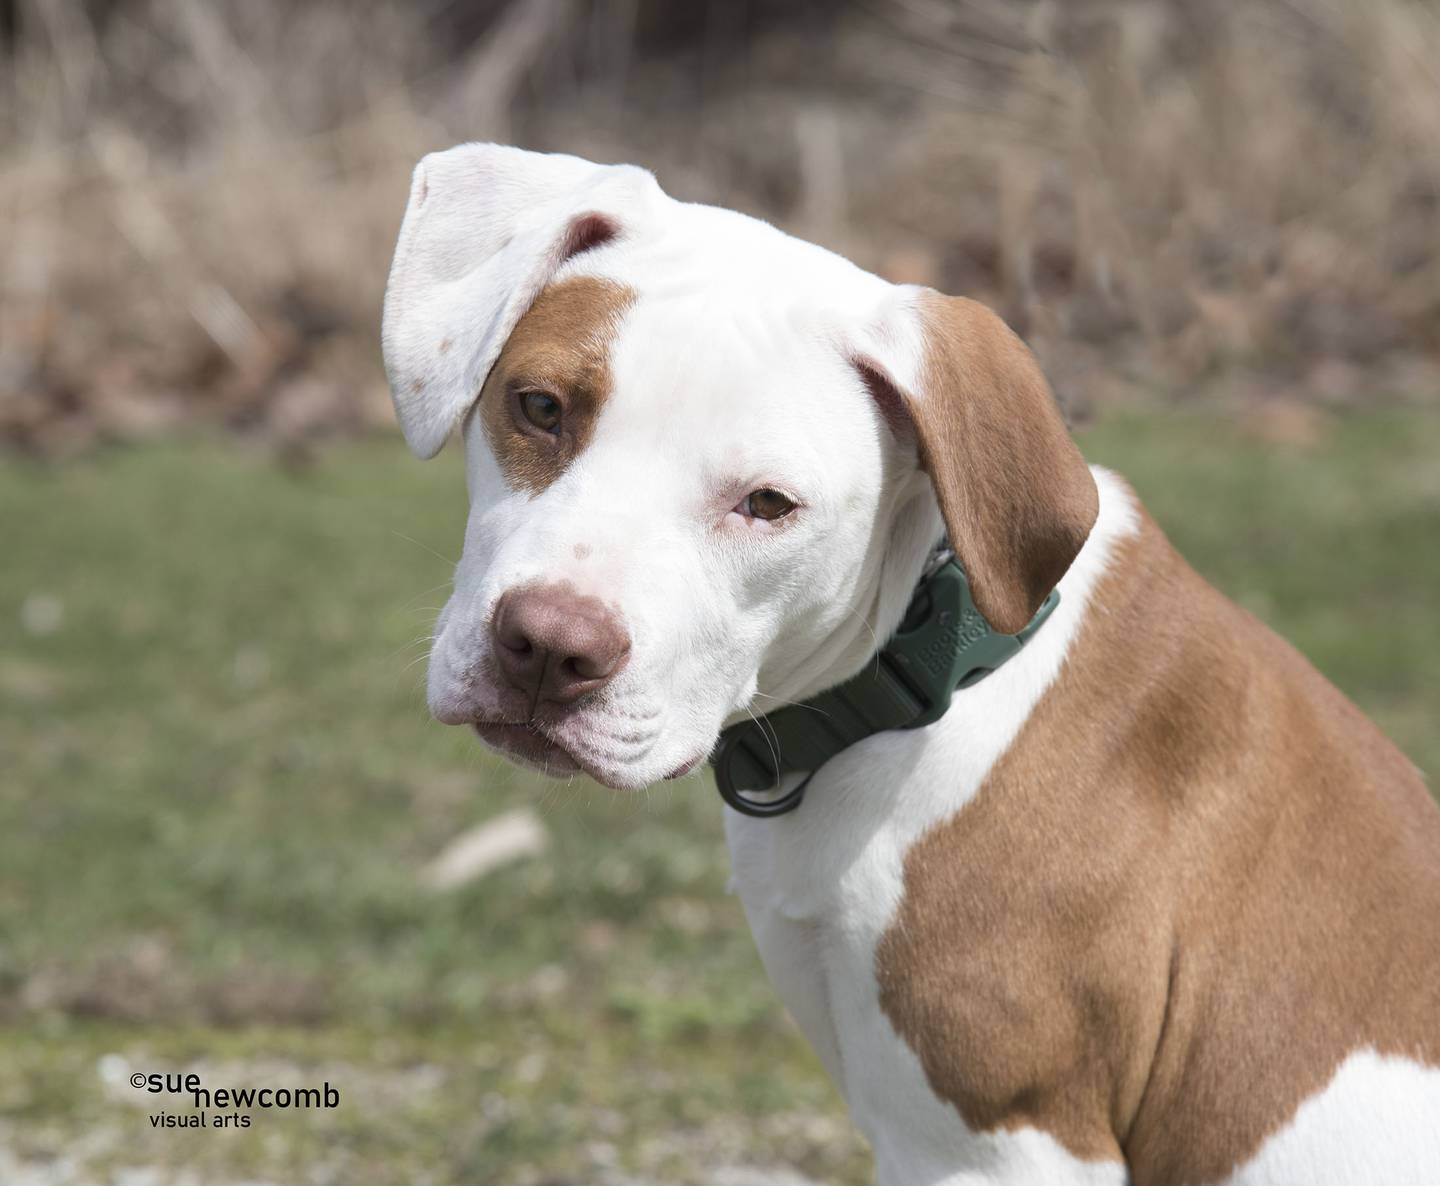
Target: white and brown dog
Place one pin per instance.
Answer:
(1153, 903)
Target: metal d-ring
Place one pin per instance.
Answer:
(759, 808)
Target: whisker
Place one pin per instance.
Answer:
(426, 640)
(415, 662)
(425, 593)
(425, 547)
(771, 742)
(875, 644)
(793, 703)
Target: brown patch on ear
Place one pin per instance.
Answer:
(1017, 497)
(561, 346)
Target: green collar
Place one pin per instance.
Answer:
(943, 644)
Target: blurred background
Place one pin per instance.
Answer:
(231, 842)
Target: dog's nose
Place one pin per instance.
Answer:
(555, 644)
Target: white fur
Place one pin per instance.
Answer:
(1377, 1123)
(733, 370)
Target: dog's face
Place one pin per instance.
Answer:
(666, 496)
(693, 453)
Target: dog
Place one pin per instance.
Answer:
(1149, 901)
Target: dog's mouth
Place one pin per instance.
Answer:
(533, 746)
(528, 746)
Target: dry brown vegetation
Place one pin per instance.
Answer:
(198, 200)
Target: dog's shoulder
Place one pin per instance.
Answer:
(1196, 856)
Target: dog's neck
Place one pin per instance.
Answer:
(943, 645)
(930, 773)
(892, 689)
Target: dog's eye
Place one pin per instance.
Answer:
(765, 504)
(541, 409)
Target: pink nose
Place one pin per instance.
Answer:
(554, 644)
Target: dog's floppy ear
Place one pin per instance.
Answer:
(485, 230)
(1017, 497)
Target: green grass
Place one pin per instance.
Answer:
(217, 784)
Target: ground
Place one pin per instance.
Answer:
(220, 786)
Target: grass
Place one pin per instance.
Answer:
(219, 785)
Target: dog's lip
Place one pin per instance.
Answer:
(535, 746)
(530, 745)
(685, 767)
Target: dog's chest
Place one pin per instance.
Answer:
(821, 888)
(818, 899)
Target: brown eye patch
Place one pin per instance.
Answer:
(539, 405)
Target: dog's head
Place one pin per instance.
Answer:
(706, 460)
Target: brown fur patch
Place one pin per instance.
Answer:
(1197, 881)
(1017, 496)
(561, 346)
